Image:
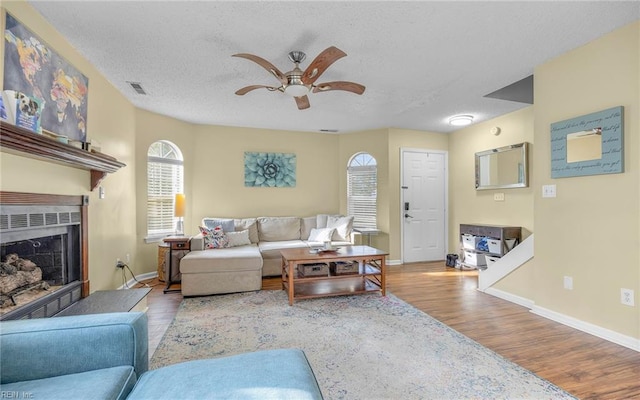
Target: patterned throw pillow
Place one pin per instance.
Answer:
(214, 238)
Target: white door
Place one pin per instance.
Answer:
(423, 205)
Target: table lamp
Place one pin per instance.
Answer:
(178, 212)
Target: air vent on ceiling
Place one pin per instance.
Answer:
(329, 130)
(137, 87)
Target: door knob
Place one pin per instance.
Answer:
(408, 216)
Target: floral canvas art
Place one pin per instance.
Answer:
(269, 169)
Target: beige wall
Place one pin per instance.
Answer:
(218, 174)
(374, 142)
(590, 231)
(468, 205)
(112, 230)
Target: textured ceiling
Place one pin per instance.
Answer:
(421, 62)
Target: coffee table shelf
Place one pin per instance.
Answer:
(371, 275)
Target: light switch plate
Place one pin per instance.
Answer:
(549, 191)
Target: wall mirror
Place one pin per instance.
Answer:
(588, 145)
(502, 168)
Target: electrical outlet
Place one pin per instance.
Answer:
(498, 196)
(626, 297)
(119, 263)
(568, 283)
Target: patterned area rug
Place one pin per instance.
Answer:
(360, 347)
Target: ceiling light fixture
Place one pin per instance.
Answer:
(461, 120)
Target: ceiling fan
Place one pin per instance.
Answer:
(298, 83)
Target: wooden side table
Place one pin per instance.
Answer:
(176, 243)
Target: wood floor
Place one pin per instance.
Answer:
(582, 364)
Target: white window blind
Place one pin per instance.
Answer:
(362, 190)
(164, 180)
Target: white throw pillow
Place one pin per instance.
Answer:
(343, 226)
(240, 238)
(321, 235)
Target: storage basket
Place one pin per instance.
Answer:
(314, 269)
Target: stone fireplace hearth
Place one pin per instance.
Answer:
(43, 250)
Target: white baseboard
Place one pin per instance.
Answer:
(393, 262)
(602, 333)
(510, 297)
(595, 330)
(142, 277)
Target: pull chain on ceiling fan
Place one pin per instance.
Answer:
(298, 83)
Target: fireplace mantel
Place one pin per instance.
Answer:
(17, 140)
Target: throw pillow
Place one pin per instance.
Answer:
(321, 235)
(227, 224)
(214, 238)
(240, 238)
(343, 226)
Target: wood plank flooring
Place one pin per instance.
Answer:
(582, 364)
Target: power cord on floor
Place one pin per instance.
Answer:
(124, 267)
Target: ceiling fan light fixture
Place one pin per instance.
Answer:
(296, 90)
(461, 120)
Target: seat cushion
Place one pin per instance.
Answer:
(270, 374)
(240, 258)
(107, 383)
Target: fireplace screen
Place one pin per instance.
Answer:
(40, 253)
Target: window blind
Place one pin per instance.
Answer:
(362, 185)
(164, 180)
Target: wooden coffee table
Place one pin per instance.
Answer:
(369, 276)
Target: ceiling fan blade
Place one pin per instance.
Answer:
(321, 63)
(264, 64)
(339, 85)
(302, 102)
(247, 89)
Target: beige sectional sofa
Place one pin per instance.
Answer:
(241, 267)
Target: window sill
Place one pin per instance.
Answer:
(157, 238)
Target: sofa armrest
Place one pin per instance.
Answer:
(48, 347)
(197, 242)
(356, 237)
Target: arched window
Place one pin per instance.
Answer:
(164, 179)
(362, 190)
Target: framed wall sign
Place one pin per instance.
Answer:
(588, 145)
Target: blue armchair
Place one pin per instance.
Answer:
(105, 356)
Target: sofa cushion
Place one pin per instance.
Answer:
(270, 374)
(272, 249)
(272, 229)
(321, 234)
(227, 224)
(343, 226)
(240, 238)
(306, 224)
(214, 238)
(248, 223)
(240, 258)
(106, 383)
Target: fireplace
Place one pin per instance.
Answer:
(43, 250)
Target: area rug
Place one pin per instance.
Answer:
(360, 347)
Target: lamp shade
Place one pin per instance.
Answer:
(179, 205)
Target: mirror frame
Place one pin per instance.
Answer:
(611, 122)
(523, 148)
